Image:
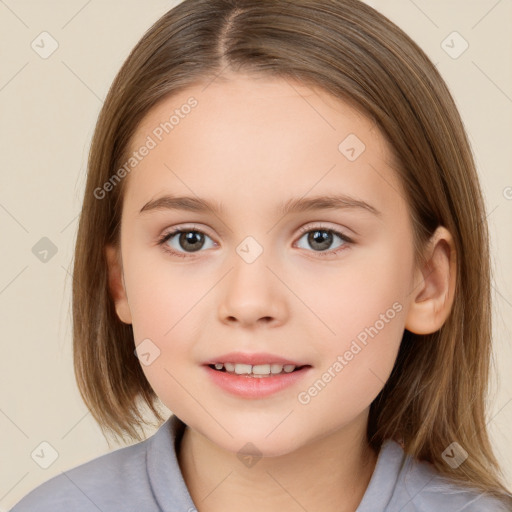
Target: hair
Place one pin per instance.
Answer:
(437, 391)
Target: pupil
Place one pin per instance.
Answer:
(321, 237)
(189, 238)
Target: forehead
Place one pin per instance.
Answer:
(247, 137)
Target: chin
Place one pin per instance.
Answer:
(254, 433)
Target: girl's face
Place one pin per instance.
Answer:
(327, 286)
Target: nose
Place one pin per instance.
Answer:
(251, 295)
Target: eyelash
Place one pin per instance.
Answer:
(306, 229)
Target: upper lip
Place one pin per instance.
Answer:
(252, 359)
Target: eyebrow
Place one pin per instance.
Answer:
(294, 205)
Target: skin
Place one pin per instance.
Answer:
(250, 144)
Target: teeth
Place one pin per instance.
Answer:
(242, 368)
(261, 369)
(256, 370)
(276, 368)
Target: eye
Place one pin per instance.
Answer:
(190, 240)
(321, 238)
(182, 241)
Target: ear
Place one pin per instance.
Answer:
(116, 284)
(434, 285)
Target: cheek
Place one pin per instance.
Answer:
(364, 308)
(369, 287)
(367, 317)
(166, 304)
(162, 294)
(164, 326)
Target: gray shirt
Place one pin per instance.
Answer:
(146, 477)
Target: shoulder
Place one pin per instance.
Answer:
(421, 488)
(108, 482)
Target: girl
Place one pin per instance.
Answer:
(326, 343)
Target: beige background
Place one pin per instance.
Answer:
(48, 111)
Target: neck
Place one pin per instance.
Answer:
(328, 474)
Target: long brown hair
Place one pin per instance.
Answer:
(437, 392)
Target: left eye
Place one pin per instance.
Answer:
(321, 239)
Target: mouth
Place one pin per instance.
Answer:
(256, 381)
(259, 370)
(252, 375)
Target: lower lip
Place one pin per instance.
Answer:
(255, 387)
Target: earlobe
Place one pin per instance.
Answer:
(434, 287)
(116, 284)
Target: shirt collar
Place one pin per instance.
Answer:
(166, 479)
(171, 492)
